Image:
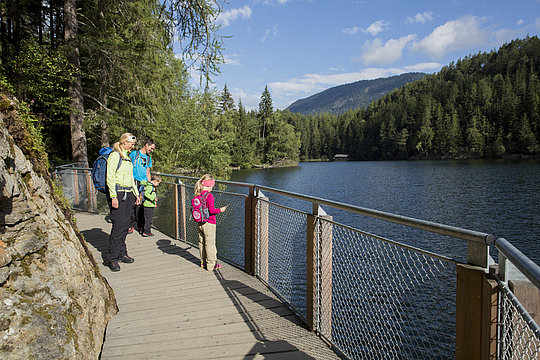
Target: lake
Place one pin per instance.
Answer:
(500, 197)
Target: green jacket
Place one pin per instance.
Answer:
(121, 180)
(149, 194)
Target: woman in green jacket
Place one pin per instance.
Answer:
(123, 196)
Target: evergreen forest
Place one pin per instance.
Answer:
(84, 72)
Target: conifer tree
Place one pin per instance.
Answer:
(264, 115)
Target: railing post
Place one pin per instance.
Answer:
(319, 272)
(250, 231)
(326, 246)
(478, 254)
(175, 199)
(311, 272)
(261, 253)
(76, 188)
(476, 314)
(183, 206)
(92, 198)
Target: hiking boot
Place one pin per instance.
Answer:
(126, 259)
(113, 265)
(147, 234)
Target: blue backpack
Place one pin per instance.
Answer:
(99, 169)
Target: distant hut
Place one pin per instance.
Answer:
(341, 157)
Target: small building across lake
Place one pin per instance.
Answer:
(341, 157)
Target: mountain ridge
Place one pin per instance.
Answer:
(339, 99)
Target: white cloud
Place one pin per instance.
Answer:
(377, 52)
(309, 84)
(459, 34)
(420, 18)
(520, 22)
(351, 31)
(428, 67)
(232, 59)
(377, 27)
(227, 17)
(268, 32)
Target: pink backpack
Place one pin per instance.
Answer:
(199, 208)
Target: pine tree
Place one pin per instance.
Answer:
(264, 115)
(226, 101)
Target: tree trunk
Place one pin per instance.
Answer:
(78, 137)
(104, 125)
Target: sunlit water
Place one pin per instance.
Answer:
(496, 197)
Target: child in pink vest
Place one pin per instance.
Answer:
(207, 230)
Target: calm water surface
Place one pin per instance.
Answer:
(497, 197)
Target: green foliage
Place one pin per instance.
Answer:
(487, 105)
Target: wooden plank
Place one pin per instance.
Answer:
(171, 308)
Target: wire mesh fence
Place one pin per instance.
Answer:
(517, 340)
(382, 303)
(281, 259)
(369, 296)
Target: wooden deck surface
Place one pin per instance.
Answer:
(170, 308)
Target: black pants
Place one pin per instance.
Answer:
(134, 222)
(145, 218)
(120, 218)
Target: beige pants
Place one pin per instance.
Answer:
(207, 245)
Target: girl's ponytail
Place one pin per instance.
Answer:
(199, 186)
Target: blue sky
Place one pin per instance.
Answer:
(301, 47)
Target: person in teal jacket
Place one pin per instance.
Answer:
(149, 203)
(123, 195)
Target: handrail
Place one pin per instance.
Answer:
(464, 234)
(519, 260)
(456, 232)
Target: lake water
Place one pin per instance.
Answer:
(499, 197)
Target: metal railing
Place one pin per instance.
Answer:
(367, 295)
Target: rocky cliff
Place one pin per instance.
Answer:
(54, 304)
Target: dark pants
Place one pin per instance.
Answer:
(120, 218)
(134, 222)
(145, 218)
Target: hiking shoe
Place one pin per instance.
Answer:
(218, 266)
(130, 230)
(147, 234)
(113, 265)
(126, 259)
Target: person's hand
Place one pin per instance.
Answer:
(138, 201)
(223, 208)
(114, 203)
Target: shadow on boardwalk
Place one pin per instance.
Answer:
(171, 308)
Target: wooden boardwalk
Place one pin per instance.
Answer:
(170, 308)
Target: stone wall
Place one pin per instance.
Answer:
(54, 304)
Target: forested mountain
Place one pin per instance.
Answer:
(84, 77)
(485, 106)
(358, 94)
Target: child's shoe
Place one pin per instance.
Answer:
(203, 265)
(130, 230)
(147, 234)
(218, 266)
